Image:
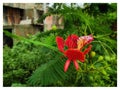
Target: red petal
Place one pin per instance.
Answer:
(66, 65)
(60, 43)
(88, 49)
(74, 54)
(71, 41)
(76, 64)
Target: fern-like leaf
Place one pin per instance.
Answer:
(48, 74)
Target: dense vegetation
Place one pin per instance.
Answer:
(30, 63)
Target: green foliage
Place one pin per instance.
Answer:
(18, 85)
(97, 72)
(22, 60)
(48, 73)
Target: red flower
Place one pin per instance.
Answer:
(71, 41)
(60, 43)
(73, 53)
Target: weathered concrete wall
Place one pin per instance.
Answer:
(14, 13)
(20, 30)
(24, 30)
(39, 6)
(21, 18)
(53, 20)
(28, 14)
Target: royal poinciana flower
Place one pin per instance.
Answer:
(75, 45)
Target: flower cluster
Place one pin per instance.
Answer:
(75, 45)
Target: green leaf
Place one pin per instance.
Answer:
(31, 41)
(18, 85)
(48, 74)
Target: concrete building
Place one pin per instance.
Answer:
(21, 19)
